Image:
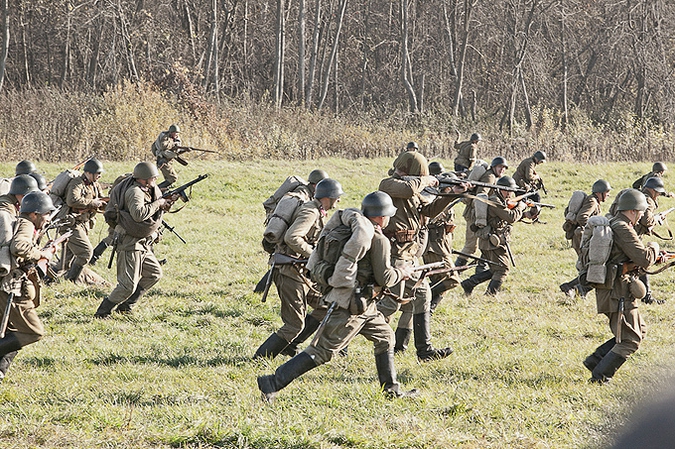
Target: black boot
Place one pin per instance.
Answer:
(104, 309)
(128, 305)
(74, 272)
(493, 287)
(607, 367)
(469, 284)
(402, 339)
(271, 348)
(386, 374)
(284, 375)
(311, 325)
(98, 252)
(5, 362)
(422, 334)
(9, 344)
(601, 351)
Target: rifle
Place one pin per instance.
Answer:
(619, 318)
(661, 216)
(448, 181)
(79, 165)
(476, 258)
(182, 150)
(437, 268)
(113, 249)
(43, 264)
(277, 259)
(5, 316)
(172, 229)
(319, 330)
(508, 250)
(539, 185)
(180, 191)
(513, 202)
(536, 203)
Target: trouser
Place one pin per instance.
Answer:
(23, 319)
(169, 173)
(633, 331)
(292, 287)
(79, 247)
(135, 269)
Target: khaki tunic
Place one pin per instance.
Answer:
(500, 219)
(645, 225)
(10, 204)
(80, 194)
(164, 149)
(439, 248)
(468, 152)
(626, 247)
(526, 174)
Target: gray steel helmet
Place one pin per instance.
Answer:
(436, 168)
(316, 175)
(632, 199)
(41, 181)
(23, 184)
(540, 156)
(659, 166)
(145, 170)
(506, 181)
(656, 183)
(93, 165)
(38, 202)
(601, 186)
(174, 129)
(412, 146)
(499, 160)
(328, 188)
(25, 167)
(476, 136)
(378, 204)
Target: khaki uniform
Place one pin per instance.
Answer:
(467, 155)
(164, 149)
(589, 208)
(10, 204)
(526, 174)
(137, 266)
(291, 280)
(500, 219)
(80, 194)
(470, 238)
(645, 225)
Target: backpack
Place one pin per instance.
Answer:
(60, 185)
(290, 184)
(117, 191)
(596, 244)
(638, 183)
(330, 247)
(281, 218)
(478, 170)
(571, 211)
(5, 184)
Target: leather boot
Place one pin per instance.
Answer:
(469, 284)
(386, 374)
(607, 367)
(5, 362)
(9, 344)
(104, 309)
(271, 348)
(422, 334)
(128, 305)
(74, 272)
(284, 375)
(98, 252)
(311, 325)
(493, 287)
(402, 339)
(601, 351)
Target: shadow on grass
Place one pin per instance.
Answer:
(179, 361)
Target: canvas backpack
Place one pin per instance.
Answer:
(478, 170)
(330, 247)
(571, 211)
(596, 244)
(289, 185)
(5, 184)
(281, 218)
(60, 185)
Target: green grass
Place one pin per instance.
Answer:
(178, 374)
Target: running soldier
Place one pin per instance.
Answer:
(164, 149)
(526, 177)
(467, 154)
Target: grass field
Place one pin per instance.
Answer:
(177, 373)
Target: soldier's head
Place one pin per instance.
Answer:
(93, 169)
(41, 181)
(539, 157)
(475, 138)
(378, 207)
(506, 181)
(412, 146)
(316, 175)
(632, 203)
(173, 131)
(659, 167)
(22, 185)
(436, 168)
(145, 173)
(601, 190)
(654, 187)
(499, 166)
(328, 192)
(36, 207)
(411, 163)
(25, 167)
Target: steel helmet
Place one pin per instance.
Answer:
(25, 167)
(316, 175)
(38, 202)
(540, 156)
(93, 165)
(632, 199)
(659, 166)
(656, 183)
(499, 160)
(328, 188)
(506, 181)
(601, 186)
(412, 163)
(41, 181)
(145, 170)
(412, 146)
(436, 168)
(23, 184)
(378, 204)
(174, 129)
(476, 137)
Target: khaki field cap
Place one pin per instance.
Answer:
(412, 163)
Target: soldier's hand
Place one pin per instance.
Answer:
(431, 180)
(47, 253)
(461, 188)
(407, 270)
(654, 246)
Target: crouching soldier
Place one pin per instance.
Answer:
(21, 286)
(362, 270)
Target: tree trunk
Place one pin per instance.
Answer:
(301, 52)
(280, 48)
(405, 58)
(309, 88)
(128, 46)
(5, 41)
(468, 6)
(326, 75)
(526, 101)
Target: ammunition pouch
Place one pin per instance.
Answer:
(402, 235)
(360, 300)
(569, 227)
(611, 271)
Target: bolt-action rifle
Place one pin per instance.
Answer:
(173, 229)
(277, 259)
(666, 258)
(437, 268)
(477, 259)
(43, 264)
(182, 150)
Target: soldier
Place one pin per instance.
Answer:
(497, 169)
(412, 146)
(526, 177)
(291, 280)
(410, 178)
(164, 149)
(494, 238)
(575, 229)
(21, 185)
(22, 284)
(83, 200)
(468, 153)
(25, 167)
(139, 207)
(658, 170)
(41, 182)
(360, 274)
(620, 304)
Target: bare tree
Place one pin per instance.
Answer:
(5, 40)
(405, 60)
